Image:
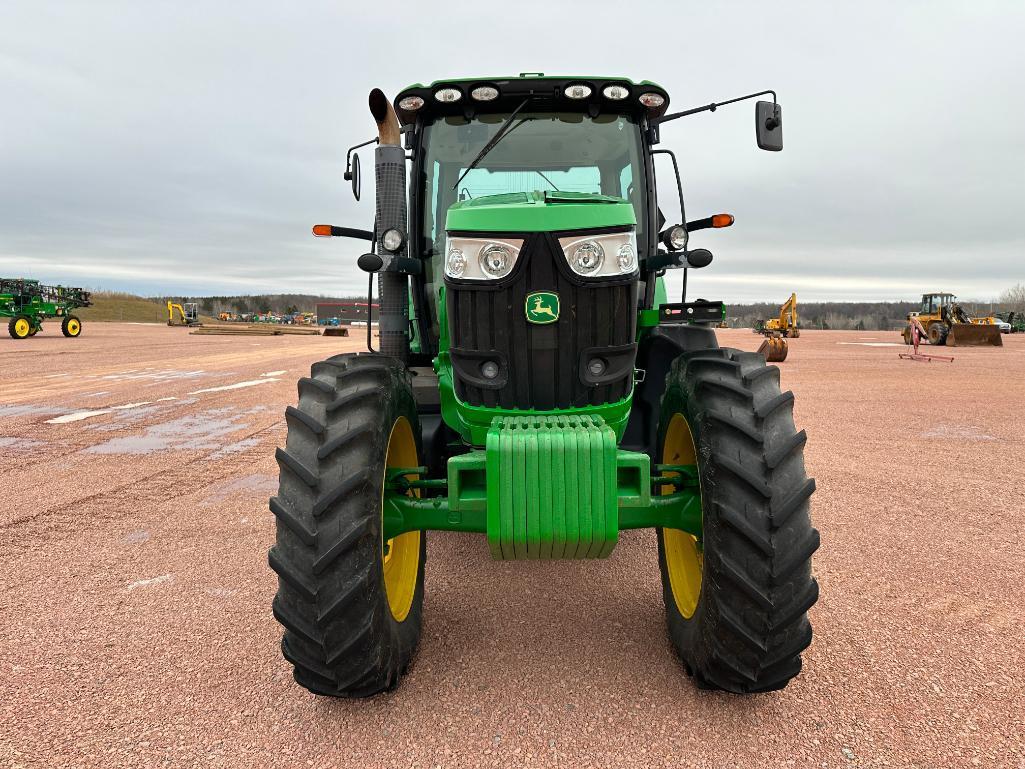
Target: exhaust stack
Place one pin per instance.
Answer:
(390, 179)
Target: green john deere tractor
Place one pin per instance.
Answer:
(533, 384)
(27, 303)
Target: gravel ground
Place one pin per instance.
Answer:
(136, 626)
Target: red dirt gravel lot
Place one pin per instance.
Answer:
(136, 626)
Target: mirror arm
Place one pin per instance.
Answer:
(679, 184)
(710, 107)
(348, 158)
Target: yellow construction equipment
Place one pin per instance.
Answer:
(946, 323)
(774, 348)
(785, 325)
(188, 314)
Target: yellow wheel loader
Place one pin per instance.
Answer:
(946, 323)
(785, 325)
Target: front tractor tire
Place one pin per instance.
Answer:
(20, 327)
(350, 604)
(937, 334)
(737, 598)
(71, 326)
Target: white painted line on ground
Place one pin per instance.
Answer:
(97, 395)
(54, 376)
(171, 398)
(875, 344)
(275, 373)
(76, 416)
(132, 405)
(236, 386)
(151, 581)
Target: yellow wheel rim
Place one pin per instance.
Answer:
(74, 327)
(684, 561)
(22, 327)
(401, 554)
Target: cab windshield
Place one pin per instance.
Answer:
(559, 151)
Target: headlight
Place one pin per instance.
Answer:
(484, 93)
(455, 265)
(615, 92)
(496, 258)
(577, 91)
(586, 254)
(676, 238)
(448, 95)
(627, 258)
(393, 240)
(411, 103)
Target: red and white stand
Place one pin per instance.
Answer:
(917, 335)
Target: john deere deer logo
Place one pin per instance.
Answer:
(542, 307)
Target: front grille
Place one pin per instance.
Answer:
(541, 364)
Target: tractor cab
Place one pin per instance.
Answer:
(932, 304)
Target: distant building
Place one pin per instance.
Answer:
(344, 313)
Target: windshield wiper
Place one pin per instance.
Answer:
(499, 135)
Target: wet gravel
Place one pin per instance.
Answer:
(136, 626)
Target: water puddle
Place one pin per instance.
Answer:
(235, 448)
(29, 410)
(195, 432)
(20, 443)
(257, 484)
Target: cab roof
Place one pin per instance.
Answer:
(549, 92)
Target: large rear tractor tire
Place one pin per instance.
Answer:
(737, 598)
(937, 334)
(350, 604)
(20, 327)
(71, 326)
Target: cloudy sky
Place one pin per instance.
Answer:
(187, 147)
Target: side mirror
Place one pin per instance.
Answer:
(352, 175)
(769, 125)
(699, 257)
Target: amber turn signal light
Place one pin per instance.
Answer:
(722, 220)
(322, 230)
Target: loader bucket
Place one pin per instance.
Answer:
(774, 349)
(974, 335)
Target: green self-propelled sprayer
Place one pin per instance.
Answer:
(26, 303)
(533, 384)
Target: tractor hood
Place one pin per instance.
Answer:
(548, 211)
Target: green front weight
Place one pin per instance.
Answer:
(545, 488)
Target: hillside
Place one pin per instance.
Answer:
(116, 306)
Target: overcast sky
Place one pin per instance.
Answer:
(187, 147)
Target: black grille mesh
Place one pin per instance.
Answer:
(543, 359)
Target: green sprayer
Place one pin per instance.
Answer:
(27, 303)
(533, 384)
